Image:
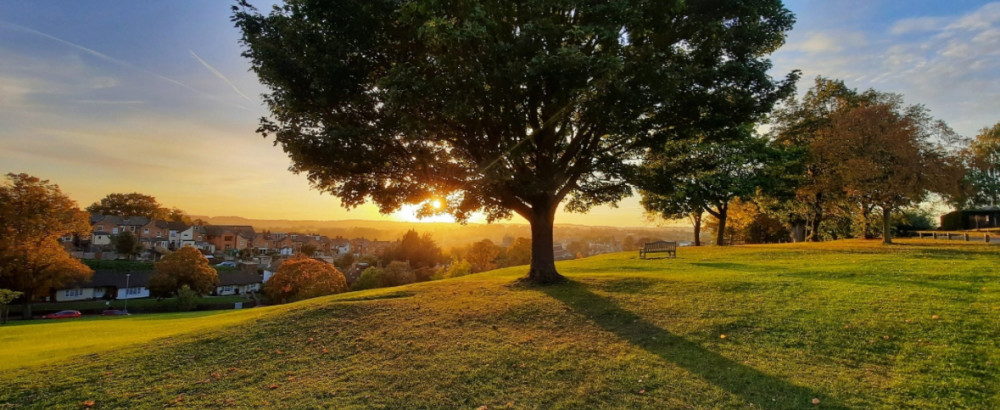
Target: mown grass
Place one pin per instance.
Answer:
(852, 324)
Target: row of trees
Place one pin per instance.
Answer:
(833, 163)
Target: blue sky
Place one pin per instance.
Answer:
(119, 96)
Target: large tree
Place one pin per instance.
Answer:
(34, 214)
(502, 107)
(797, 125)
(693, 177)
(982, 178)
(133, 204)
(889, 155)
(187, 266)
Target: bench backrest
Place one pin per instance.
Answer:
(660, 246)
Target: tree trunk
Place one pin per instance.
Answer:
(886, 234)
(543, 265)
(720, 236)
(26, 313)
(696, 218)
(817, 219)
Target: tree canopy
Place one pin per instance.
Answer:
(983, 176)
(34, 214)
(502, 107)
(691, 177)
(303, 278)
(187, 266)
(131, 204)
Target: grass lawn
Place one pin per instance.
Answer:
(851, 324)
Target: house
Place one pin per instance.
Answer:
(262, 244)
(238, 283)
(979, 218)
(107, 284)
(229, 237)
(340, 246)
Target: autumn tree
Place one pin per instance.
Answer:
(34, 214)
(482, 255)
(982, 178)
(689, 178)
(502, 107)
(133, 204)
(303, 278)
(186, 266)
(796, 126)
(889, 155)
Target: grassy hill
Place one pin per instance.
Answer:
(848, 324)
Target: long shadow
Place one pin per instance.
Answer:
(751, 384)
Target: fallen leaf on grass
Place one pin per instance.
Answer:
(272, 386)
(88, 403)
(815, 401)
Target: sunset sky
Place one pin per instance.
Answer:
(121, 96)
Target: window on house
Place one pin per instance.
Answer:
(133, 291)
(115, 231)
(74, 292)
(146, 230)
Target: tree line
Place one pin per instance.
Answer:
(835, 163)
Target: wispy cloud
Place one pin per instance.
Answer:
(220, 75)
(111, 102)
(94, 53)
(111, 59)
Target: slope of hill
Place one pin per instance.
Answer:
(843, 324)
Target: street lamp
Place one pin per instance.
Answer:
(127, 277)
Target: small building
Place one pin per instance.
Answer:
(107, 284)
(238, 283)
(980, 218)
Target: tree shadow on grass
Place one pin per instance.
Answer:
(744, 381)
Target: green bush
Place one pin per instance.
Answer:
(458, 268)
(187, 299)
(369, 279)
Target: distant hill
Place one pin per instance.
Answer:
(447, 234)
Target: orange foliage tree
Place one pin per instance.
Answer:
(34, 214)
(187, 266)
(303, 278)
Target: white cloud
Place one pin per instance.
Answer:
(949, 64)
(918, 25)
(828, 42)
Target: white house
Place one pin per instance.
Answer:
(238, 283)
(106, 284)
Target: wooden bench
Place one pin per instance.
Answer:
(670, 248)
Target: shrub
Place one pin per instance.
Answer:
(397, 274)
(458, 268)
(187, 299)
(369, 279)
(303, 278)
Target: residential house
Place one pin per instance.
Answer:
(107, 284)
(238, 283)
(229, 237)
(340, 246)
